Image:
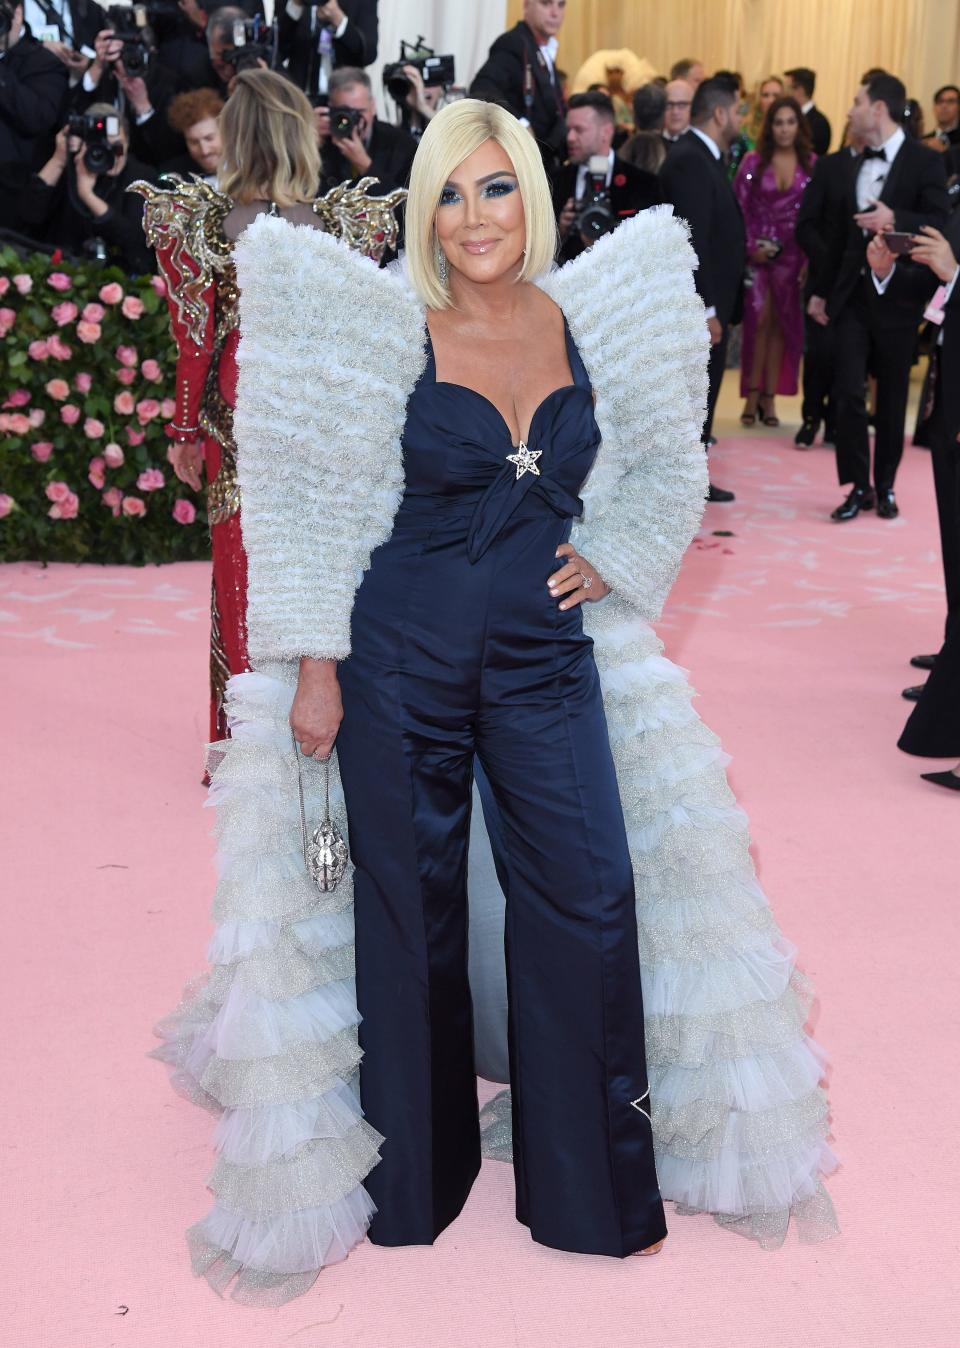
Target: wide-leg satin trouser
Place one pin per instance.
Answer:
(440, 673)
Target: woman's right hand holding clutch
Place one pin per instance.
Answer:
(317, 707)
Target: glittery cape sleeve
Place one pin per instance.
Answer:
(633, 311)
(330, 349)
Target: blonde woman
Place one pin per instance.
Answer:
(270, 164)
(765, 93)
(466, 489)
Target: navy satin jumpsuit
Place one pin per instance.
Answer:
(460, 653)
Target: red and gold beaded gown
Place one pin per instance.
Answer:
(193, 229)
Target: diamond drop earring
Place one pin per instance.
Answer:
(441, 265)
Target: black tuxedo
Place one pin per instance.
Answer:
(822, 211)
(874, 332)
(697, 186)
(517, 76)
(298, 43)
(631, 190)
(819, 128)
(33, 95)
(391, 149)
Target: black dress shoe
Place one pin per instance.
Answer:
(830, 436)
(719, 494)
(887, 507)
(861, 498)
(913, 694)
(806, 435)
(948, 779)
(923, 661)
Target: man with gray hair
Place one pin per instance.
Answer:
(221, 44)
(355, 143)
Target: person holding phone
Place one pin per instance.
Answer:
(895, 185)
(769, 185)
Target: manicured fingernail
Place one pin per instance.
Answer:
(563, 606)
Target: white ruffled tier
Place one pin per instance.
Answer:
(740, 1118)
(267, 1039)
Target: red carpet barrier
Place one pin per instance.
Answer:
(86, 365)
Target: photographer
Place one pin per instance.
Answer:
(33, 91)
(314, 40)
(228, 52)
(78, 199)
(124, 72)
(67, 29)
(357, 142)
(589, 204)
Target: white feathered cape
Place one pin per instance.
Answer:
(331, 349)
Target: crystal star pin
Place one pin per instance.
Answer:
(526, 460)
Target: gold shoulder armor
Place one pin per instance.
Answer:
(366, 223)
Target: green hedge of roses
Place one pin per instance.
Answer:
(86, 368)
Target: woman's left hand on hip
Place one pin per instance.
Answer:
(577, 580)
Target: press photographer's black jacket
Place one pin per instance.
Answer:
(501, 80)
(391, 149)
(33, 95)
(48, 214)
(631, 190)
(298, 50)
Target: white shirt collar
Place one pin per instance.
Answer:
(891, 147)
(582, 174)
(711, 145)
(550, 49)
(806, 107)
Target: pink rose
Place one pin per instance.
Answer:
(167, 408)
(89, 332)
(83, 383)
(147, 409)
(150, 369)
(58, 348)
(112, 293)
(113, 455)
(127, 355)
(93, 313)
(37, 417)
(59, 280)
(93, 429)
(18, 398)
(123, 404)
(4, 423)
(7, 319)
(95, 473)
(113, 496)
(67, 509)
(135, 437)
(6, 504)
(64, 313)
(23, 283)
(184, 512)
(131, 307)
(125, 376)
(58, 389)
(19, 424)
(57, 491)
(132, 505)
(4, 285)
(69, 414)
(151, 479)
(159, 285)
(38, 350)
(41, 451)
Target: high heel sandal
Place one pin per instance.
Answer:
(770, 419)
(749, 418)
(653, 1249)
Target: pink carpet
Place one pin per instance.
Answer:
(798, 631)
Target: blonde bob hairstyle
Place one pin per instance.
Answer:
(455, 132)
(269, 141)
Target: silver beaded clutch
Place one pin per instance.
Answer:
(325, 853)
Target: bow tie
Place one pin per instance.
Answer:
(875, 154)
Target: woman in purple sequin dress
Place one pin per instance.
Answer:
(769, 185)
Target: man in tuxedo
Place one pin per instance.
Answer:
(373, 147)
(591, 123)
(694, 179)
(676, 113)
(896, 184)
(822, 210)
(314, 40)
(801, 83)
(520, 74)
(946, 109)
(66, 28)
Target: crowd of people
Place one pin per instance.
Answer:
(801, 234)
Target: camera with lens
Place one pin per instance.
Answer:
(435, 71)
(95, 132)
(131, 25)
(254, 41)
(343, 122)
(596, 216)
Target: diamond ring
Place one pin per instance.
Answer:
(586, 581)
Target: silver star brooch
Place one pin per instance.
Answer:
(526, 460)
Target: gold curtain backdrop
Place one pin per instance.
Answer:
(919, 40)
